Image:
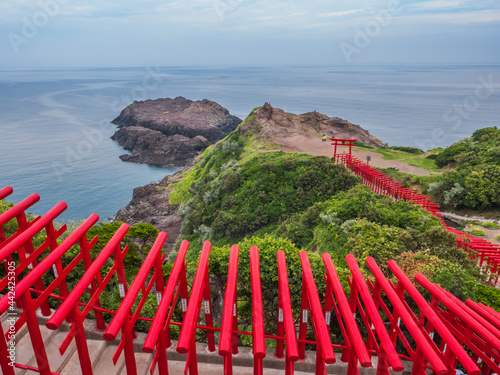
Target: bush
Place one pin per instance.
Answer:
(476, 163)
(488, 295)
(268, 247)
(458, 280)
(267, 189)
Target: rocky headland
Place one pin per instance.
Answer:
(273, 126)
(289, 130)
(171, 131)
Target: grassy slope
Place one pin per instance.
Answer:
(409, 155)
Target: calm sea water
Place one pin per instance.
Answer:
(55, 125)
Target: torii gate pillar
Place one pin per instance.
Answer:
(342, 142)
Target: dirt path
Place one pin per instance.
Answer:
(312, 144)
(491, 234)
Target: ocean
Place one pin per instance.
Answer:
(55, 124)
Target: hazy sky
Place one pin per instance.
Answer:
(115, 33)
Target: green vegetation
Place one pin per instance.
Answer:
(487, 295)
(234, 198)
(409, 155)
(294, 202)
(424, 163)
(491, 225)
(475, 180)
(397, 152)
(476, 232)
(408, 150)
(363, 145)
(268, 246)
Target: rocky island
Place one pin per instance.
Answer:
(171, 131)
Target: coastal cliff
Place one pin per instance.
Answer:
(271, 127)
(171, 131)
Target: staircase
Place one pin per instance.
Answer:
(101, 354)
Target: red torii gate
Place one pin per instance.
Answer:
(342, 142)
(381, 184)
(461, 327)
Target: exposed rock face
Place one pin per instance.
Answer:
(152, 147)
(171, 131)
(150, 205)
(278, 125)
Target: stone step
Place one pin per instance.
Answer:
(143, 361)
(25, 353)
(56, 360)
(105, 365)
(97, 349)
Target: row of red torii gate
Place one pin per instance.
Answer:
(378, 316)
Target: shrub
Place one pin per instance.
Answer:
(268, 247)
(488, 295)
(455, 195)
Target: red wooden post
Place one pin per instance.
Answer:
(187, 336)
(207, 302)
(259, 342)
(35, 335)
(168, 295)
(292, 353)
(226, 343)
(5, 192)
(432, 317)
(5, 361)
(280, 328)
(357, 347)
(85, 247)
(322, 335)
(388, 349)
(81, 342)
(304, 307)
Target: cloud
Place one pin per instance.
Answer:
(437, 4)
(340, 14)
(456, 18)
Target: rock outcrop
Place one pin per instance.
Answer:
(150, 204)
(281, 127)
(171, 131)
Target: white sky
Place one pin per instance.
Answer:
(72, 33)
